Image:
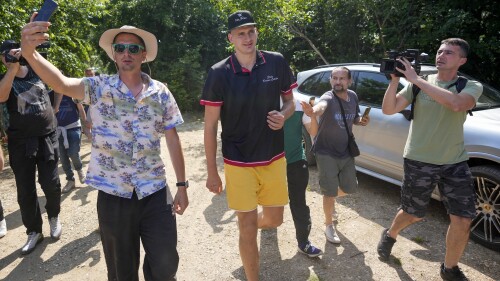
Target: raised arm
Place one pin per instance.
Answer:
(8, 78)
(393, 103)
(312, 126)
(34, 34)
(440, 95)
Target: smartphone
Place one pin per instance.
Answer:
(311, 101)
(47, 9)
(367, 111)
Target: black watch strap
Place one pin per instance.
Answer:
(183, 183)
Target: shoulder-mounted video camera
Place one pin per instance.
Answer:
(388, 65)
(8, 45)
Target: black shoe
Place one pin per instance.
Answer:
(385, 244)
(452, 274)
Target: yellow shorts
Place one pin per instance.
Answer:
(248, 187)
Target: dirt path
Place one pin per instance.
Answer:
(208, 235)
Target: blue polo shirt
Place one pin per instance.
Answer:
(245, 97)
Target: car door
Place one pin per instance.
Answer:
(381, 142)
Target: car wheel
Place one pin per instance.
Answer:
(307, 144)
(485, 228)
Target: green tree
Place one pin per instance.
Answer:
(190, 40)
(72, 27)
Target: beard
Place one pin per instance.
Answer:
(339, 88)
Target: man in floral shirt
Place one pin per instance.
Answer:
(130, 112)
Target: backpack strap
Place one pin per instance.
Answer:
(415, 90)
(460, 85)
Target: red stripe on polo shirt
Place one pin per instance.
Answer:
(289, 91)
(211, 103)
(254, 164)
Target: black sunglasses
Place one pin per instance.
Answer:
(132, 48)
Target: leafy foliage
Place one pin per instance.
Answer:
(192, 34)
(190, 40)
(72, 27)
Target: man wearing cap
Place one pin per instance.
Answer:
(130, 113)
(32, 144)
(244, 91)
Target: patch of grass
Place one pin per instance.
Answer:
(418, 240)
(313, 277)
(397, 261)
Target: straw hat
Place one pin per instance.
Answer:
(149, 40)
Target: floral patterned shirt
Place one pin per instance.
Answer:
(126, 135)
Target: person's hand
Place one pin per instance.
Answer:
(33, 34)
(363, 121)
(275, 120)
(409, 72)
(214, 183)
(86, 132)
(181, 200)
(307, 108)
(14, 66)
(395, 78)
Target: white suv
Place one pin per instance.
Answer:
(382, 141)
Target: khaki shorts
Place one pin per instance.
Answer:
(335, 172)
(248, 187)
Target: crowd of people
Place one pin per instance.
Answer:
(250, 94)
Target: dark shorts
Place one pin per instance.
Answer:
(455, 185)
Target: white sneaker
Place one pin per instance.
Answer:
(69, 186)
(3, 228)
(331, 234)
(55, 227)
(33, 240)
(81, 175)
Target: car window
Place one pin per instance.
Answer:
(490, 98)
(316, 85)
(371, 86)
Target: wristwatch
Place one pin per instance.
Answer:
(183, 183)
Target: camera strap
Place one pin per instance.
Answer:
(459, 84)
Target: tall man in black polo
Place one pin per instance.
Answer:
(244, 91)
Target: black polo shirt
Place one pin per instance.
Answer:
(245, 98)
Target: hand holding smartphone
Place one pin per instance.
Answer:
(367, 111)
(46, 11)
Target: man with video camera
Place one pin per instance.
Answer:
(32, 144)
(434, 151)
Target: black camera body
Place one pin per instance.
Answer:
(15, 45)
(388, 65)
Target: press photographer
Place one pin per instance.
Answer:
(32, 143)
(435, 153)
(388, 65)
(10, 45)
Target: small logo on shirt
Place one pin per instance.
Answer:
(269, 78)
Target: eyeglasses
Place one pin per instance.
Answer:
(132, 48)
